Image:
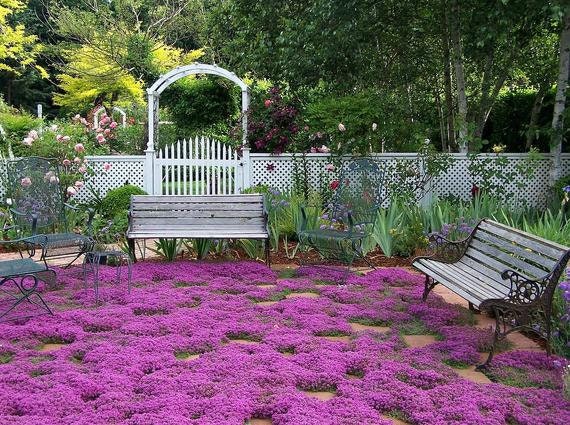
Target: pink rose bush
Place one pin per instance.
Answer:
(172, 352)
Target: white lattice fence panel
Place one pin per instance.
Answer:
(123, 170)
(280, 171)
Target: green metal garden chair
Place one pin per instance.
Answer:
(350, 214)
(39, 210)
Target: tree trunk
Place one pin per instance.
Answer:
(459, 76)
(534, 115)
(442, 121)
(449, 116)
(560, 101)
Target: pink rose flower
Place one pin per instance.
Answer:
(113, 125)
(33, 134)
(106, 166)
(341, 127)
(82, 169)
(26, 182)
(267, 103)
(53, 180)
(59, 138)
(27, 141)
(71, 191)
(107, 131)
(79, 184)
(329, 167)
(66, 162)
(79, 147)
(77, 160)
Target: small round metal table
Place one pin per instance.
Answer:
(94, 259)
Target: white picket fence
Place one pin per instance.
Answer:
(199, 166)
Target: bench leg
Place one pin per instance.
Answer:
(267, 256)
(429, 285)
(496, 338)
(131, 245)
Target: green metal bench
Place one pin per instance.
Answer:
(20, 278)
(351, 213)
(39, 210)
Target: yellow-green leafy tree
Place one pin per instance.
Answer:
(18, 50)
(114, 50)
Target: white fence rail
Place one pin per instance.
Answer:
(221, 173)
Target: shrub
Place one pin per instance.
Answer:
(118, 200)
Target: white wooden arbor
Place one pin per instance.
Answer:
(102, 109)
(156, 90)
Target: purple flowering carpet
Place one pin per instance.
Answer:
(224, 343)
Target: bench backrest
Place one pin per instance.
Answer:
(198, 214)
(501, 247)
(361, 189)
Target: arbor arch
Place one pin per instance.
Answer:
(170, 77)
(166, 80)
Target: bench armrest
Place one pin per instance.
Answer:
(524, 290)
(30, 242)
(445, 250)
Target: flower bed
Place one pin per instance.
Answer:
(221, 343)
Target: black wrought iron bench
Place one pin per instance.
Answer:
(20, 278)
(206, 217)
(501, 270)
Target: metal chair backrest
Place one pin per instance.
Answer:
(360, 193)
(36, 193)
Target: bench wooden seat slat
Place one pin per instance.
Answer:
(461, 278)
(485, 276)
(184, 206)
(146, 214)
(199, 221)
(551, 249)
(499, 269)
(448, 283)
(202, 217)
(207, 199)
(491, 273)
(507, 259)
(541, 261)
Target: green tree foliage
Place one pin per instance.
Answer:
(18, 50)
(196, 103)
(113, 49)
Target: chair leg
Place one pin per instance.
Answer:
(429, 285)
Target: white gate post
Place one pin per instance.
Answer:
(149, 170)
(245, 158)
(244, 180)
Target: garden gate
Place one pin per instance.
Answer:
(202, 166)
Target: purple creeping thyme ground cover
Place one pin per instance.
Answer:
(173, 352)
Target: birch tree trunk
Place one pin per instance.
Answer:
(560, 101)
(449, 110)
(459, 76)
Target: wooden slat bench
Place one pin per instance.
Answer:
(202, 217)
(502, 270)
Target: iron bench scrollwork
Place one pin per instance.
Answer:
(502, 270)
